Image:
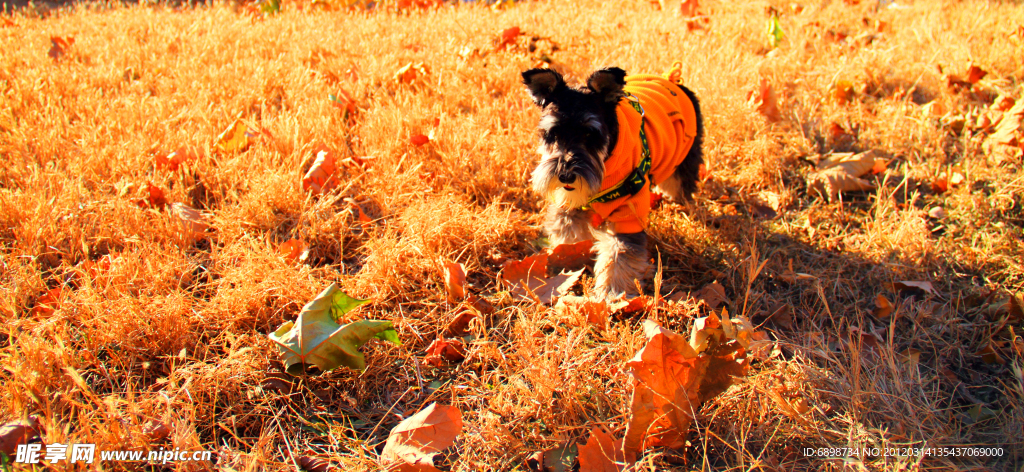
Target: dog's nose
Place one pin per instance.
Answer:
(566, 178)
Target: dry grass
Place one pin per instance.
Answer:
(176, 333)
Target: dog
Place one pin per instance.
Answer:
(603, 145)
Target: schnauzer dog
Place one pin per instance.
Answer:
(603, 145)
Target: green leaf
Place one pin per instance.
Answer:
(315, 338)
(774, 31)
(270, 7)
(342, 303)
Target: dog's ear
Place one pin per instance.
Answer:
(608, 83)
(542, 83)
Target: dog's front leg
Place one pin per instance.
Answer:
(566, 226)
(621, 260)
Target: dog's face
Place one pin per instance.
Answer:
(577, 132)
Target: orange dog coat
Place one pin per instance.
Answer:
(670, 124)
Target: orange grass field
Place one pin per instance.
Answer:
(125, 329)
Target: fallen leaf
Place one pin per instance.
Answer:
(410, 72)
(601, 453)
(990, 355)
(411, 446)
(782, 315)
(155, 431)
(313, 464)
(556, 459)
(454, 280)
(445, 350)
(175, 159)
(48, 302)
(191, 223)
(357, 211)
(322, 175)
(842, 91)
(293, 250)
(854, 164)
(315, 338)
(569, 257)
(975, 74)
(525, 279)
(879, 165)
(830, 182)
(595, 311)
(883, 307)
(672, 378)
(59, 46)
(765, 101)
(1015, 309)
(460, 324)
(17, 432)
(905, 285)
(688, 8)
(233, 137)
(419, 139)
(155, 197)
(911, 357)
(774, 31)
(638, 304)
(713, 295)
(508, 37)
(344, 102)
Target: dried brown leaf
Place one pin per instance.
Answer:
(454, 280)
(442, 351)
(411, 446)
(569, 257)
(17, 432)
(601, 453)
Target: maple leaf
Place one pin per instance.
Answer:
(322, 175)
(672, 377)
(601, 453)
(765, 100)
(411, 446)
(233, 138)
(569, 256)
(445, 350)
(316, 338)
(525, 279)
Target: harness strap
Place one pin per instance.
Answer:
(635, 181)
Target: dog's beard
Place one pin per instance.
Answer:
(578, 197)
(545, 181)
